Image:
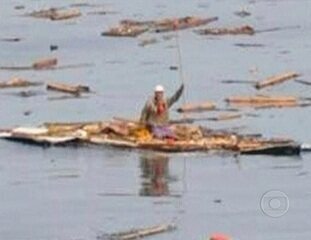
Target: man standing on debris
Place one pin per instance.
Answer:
(155, 113)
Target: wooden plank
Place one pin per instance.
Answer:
(276, 80)
(44, 63)
(65, 14)
(141, 232)
(260, 99)
(18, 82)
(61, 87)
(197, 107)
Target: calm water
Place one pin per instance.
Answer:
(70, 193)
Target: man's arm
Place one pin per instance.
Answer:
(176, 96)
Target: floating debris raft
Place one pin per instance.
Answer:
(243, 30)
(56, 14)
(276, 79)
(132, 135)
(66, 88)
(18, 82)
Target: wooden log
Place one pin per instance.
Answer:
(225, 117)
(181, 23)
(139, 233)
(45, 13)
(44, 63)
(243, 30)
(252, 100)
(206, 106)
(125, 31)
(56, 13)
(18, 82)
(276, 79)
(65, 14)
(61, 87)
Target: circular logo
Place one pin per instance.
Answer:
(274, 203)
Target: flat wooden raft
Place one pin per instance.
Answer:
(92, 133)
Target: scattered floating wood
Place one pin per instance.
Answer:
(17, 83)
(57, 14)
(44, 63)
(139, 233)
(225, 117)
(276, 79)
(28, 68)
(260, 99)
(199, 107)
(61, 87)
(125, 31)
(182, 23)
(132, 28)
(260, 102)
(243, 30)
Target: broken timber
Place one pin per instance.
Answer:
(276, 79)
(56, 14)
(139, 233)
(18, 82)
(61, 87)
(268, 101)
(44, 63)
(206, 106)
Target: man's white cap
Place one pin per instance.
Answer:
(159, 88)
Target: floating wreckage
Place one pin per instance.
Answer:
(126, 134)
(132, 28)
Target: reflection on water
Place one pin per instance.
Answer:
(155, 175)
